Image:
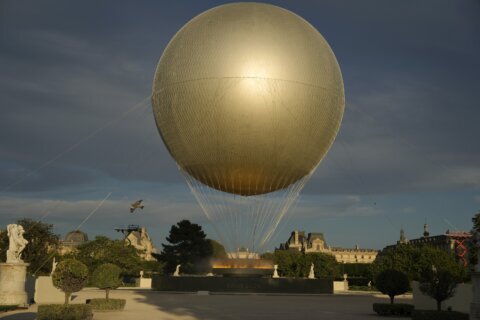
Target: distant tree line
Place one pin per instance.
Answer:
(188, 245)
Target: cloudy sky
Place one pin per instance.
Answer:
(76, 122)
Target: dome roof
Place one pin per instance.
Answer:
(76, 237)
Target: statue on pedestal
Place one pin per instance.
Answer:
(16, 243)
(13, 273)
(177, 271)
(311, 275)
(275, 271)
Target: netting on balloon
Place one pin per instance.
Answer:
(248, 99)
(246, 222)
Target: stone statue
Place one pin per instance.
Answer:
(275, 272)
(54, 266)
(16, 243)
(141, 274)
(311, 275)
(177, 271)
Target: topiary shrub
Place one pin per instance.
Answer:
(107, 277)
(64, 312)
(438, 315)
(396, 309)
(70, 276)
(107, 305)
(392, 283)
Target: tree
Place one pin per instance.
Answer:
(412, 260)
(290, 263)
(325, 265)
(41, 242)
(107, 277)
(70, 276)
(187, 246)
(295, 264)
(218, 250)
(392, 283)
(472, 245)
(440, 285)
(104, 250)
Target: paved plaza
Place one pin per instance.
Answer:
(146, 304)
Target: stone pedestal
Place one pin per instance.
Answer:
(12, 284)
(145, 283)
(475, 305)
(46, 293)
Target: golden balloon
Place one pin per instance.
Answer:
(248, 98)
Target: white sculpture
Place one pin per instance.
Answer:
(177, 271)
(16, 243)
(54, 266)
(275, 271)
(141, 274)
(311, 275)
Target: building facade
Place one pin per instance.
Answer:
(455, 242)
(315, 243)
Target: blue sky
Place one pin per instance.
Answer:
(407, 150)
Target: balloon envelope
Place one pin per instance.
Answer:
(248, 98)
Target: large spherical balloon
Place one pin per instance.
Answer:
(248, 98)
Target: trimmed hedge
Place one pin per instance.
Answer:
(8, 308)
(64, 312)
(396, 309)
(438, 315)
(107, 305)
(358, 281)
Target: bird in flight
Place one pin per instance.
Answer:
(136, 205)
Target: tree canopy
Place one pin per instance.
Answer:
(188, 246)
(392, 283)
(472, 245)
(70, 276)
(218, 250)
(413, 261)
(295, 264)
(104, 250)
(439, 285)
(107, 277)
(42, 242)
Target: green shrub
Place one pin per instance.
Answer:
(358, 281)
(392, 283)
(64, 312)
(107, 277)
(438, 315)
(396, 309)
(8, 308)
(70, 276)
(106, 305)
